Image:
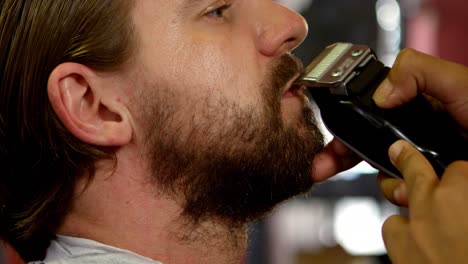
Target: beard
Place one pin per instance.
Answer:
(227, 162)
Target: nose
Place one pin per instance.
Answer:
(280, 30)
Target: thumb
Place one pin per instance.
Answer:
(414, 72)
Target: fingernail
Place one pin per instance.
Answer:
(399, 193)
(383, 92)
(395, 150)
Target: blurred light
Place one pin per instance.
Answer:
(326, 235)
(388, 14)
(300, 225)
(357, 171)
(357, 226)
(389, 18)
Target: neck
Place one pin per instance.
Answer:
(126, 211)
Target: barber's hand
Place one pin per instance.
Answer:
(443, 80)
(437, 227)
(415, 72)
(335, 158)
(435, 231)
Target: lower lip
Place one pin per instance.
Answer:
(292, 105)
(293, 98)
(289, 94)
(293, 93)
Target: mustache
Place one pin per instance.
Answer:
(284, 70)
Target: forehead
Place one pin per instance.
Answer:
(165, 15)
(180, 5)
(148, 12)
(190, 3)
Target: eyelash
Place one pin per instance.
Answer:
(218, 12)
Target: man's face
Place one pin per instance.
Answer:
(224, 131)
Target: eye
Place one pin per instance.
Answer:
(218, 12)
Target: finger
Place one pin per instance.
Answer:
(393, 189)
(339, 148)
(396, 236)
(418, 173)
(414, 71)
(333, 159)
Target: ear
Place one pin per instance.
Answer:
(88, 105)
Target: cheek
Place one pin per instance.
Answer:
(226, 72)
(203, 66)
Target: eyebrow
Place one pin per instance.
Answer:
(186, 6)
(189, 4)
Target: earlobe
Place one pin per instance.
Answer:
(88, 106)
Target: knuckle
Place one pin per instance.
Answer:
(423, 184)
(407, 55)
(387, 227)
(442, 196)
(405, 59)
(457, 167)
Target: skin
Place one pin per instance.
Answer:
(201, 49)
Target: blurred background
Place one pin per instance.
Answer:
(340, 220)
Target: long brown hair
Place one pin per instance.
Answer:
(39, 159)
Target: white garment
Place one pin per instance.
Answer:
(71, 250)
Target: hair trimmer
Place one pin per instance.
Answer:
(342, 80)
